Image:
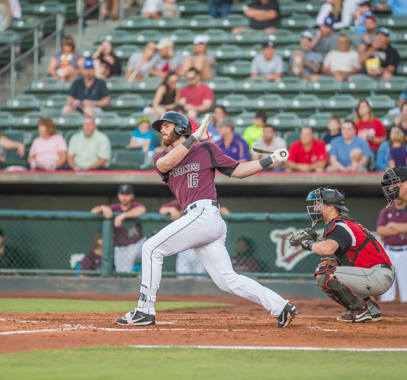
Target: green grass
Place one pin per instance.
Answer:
(37, 305)
(189, 363)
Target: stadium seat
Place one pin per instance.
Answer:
(393, 87)
(29, 120)
(340, 105)
(45, 9)
(237, 69)
(142, 38)
(136, 22)
(124, 52)
(6, 120)
(147, 86)
(22, 25)
(269, 103)
(360, 86)
(288, 7)
(191, 8)
(226, 54)
(14, 135)
(45, 87)
(323, 86)
(6, 36)
(21, 104)
(244, 119)
(402, 67)
(216, 37)
(311, 7)
(69, 120)
(247, 38)
(108, 120)
(253, 87)
(221, 85)
(291, 136)
(288, 87)
(167, 23)
(287, 51)
(53, 105)
(127, 160)
(381, 104)
(285, 121)
(318, 121)
(232, 21)
(119, 139)
(388, 120)
(200, 23)
(402, 50)
(88, 52)
(69, 134)
(131, 121)
(304, 105)
(234, 103)
(297, 22)
(119, 37)
(393, 22)
(283, 37)
(126, 104)
(12, 158)
(118, 85)
(181, 37)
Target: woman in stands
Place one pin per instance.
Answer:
(367, 126)
(107, 64)
(341, 10)
(6, 17)
(201, 59)
(7, 144)
(137, 66)
(65, 65)
(166, 95)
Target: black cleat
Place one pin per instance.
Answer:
(136, 318)
(374, 310)
(355, 316)
(287, 315)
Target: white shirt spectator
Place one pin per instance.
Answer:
(264, 68)
(342, 61)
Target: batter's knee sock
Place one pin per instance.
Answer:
(147, 300)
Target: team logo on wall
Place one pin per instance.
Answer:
(288, 257)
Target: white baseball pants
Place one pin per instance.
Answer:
(124, 257)
(399, 261)
(188, 262)
(204, 230)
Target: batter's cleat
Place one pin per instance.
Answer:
(355, 316)
(136, 318)
(287, 315)
(374, 310)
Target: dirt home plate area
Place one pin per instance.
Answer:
(243, 325)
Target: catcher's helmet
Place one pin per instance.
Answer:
(183, 126)
(324, 195)
(391, 181)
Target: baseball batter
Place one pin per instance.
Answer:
(189, 171)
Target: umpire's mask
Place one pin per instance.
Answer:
(391, 182)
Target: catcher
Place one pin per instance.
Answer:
(360, 268)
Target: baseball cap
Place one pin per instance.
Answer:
(226, 122)
(125, 189)
(383, 30)
(164, 43)
(366, 3)
(267, 44)
(329, 21)
(307, 34)
(201, 39)
(88, 64)
(371, 16)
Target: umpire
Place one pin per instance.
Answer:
(360, 268)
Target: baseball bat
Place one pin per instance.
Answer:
(263, 149)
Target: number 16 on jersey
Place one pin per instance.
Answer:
(193, 180)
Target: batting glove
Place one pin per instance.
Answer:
(280, 155)
(202, 132)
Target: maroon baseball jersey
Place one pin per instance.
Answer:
(91, 261)
(193, 178)
(129, 232)
(391, 214)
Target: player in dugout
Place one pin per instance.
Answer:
(361, 267)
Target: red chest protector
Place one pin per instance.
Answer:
(365, 250)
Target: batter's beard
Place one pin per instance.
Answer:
(168, 141)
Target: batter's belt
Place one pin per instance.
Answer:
(202, 203)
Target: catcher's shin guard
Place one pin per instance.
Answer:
(336, 290)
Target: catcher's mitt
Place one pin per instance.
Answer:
(305, 238)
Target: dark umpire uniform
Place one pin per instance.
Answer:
(361, 267)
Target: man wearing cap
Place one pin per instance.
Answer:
(255, 131)
(201, 59)
(268, 64)
(360, 16)
(87, 94)
(364, 41)
(231, 144)
(380, 58)
(326, 39)
(166, 60)
(305, 62)
(127, 234)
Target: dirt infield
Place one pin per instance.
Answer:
(245, 324)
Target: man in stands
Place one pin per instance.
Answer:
(89, 149)
(326, 39)
(268, 64)
(307, 154)
(367, 38)
(87, 94)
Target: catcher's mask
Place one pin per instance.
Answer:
(391, 183)
(324, 195)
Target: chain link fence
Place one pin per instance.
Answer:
(80, 243)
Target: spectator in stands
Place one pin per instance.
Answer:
(166, 60)
(151, 8)
(231, 144)
(271, 141)
(66, 64)
(114, 5)
(89, 149)
(6, 16)
(366, 40)
(7, 144)
(382, 158)
(107, 64)
(49, 150)
(220, 8)
(166, 96)
(325, 39)
(305, 62)
(263, 16)
(342, 63)
(15, 9)
(268, 64)
(219, 113)
(180, 108)
(93, 259)
(255, 131)
(401, 121)
(358, 161)
(196, 97)
(367, 126)
(138, 64)
(341, 12)
(142, 137)
(401, 101)
(334, 128)
(398, 153)
(307, 154)
(201, 60)
(342, 146)
(244, 260)
(398, 7)
(380, 58)
(128, 234)
(362, 12)
(168, 8)
(87, 94)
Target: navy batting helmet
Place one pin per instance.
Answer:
(183, 126)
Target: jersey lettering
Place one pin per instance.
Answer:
(185, 169)
(193, 180)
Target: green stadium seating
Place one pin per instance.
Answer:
(15, 135)
(45, 87)
(200, 23)
(393, 87)
(304, 105)
(119, 139)
(402, 50)
(283, 37)
(146, 36)
(271, 104)
(126, 104)
(253, 87)
(6, 37)
(221, 85)
(108, 120)
(118, 85)
(88, 52)
(29, 120)
(288, 87)
(127, 160)
(240, 6)
(46, 8)
(228, 53)
(297, 22)
(147, 86)
(323, 86)
(394, 22)
(288, 7)
(131, 122)
(232, 21)
(291, 136)
(388, 120)
(237, 69)
(311, 8)
(26, 8)
(69, 120)
(381, 104)
(21, 104)
(182, 37)
(23, 24)
(137, 22)
(402, 68)
(318, 121)
(216, 37)
(247, 38)
(234, 103)
(250, 52)
(287, 51)
(169, 23)
(285, 121)
(340, 105)
(191, 8)
(12, 158)
(69, 134)
(124, 52)
(6, 120)
(120, 37)
(244, 119)
(360, 86)
(53, 105)
(157, 137)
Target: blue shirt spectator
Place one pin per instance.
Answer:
(142, 137)
(382, 159)
(398, 7)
